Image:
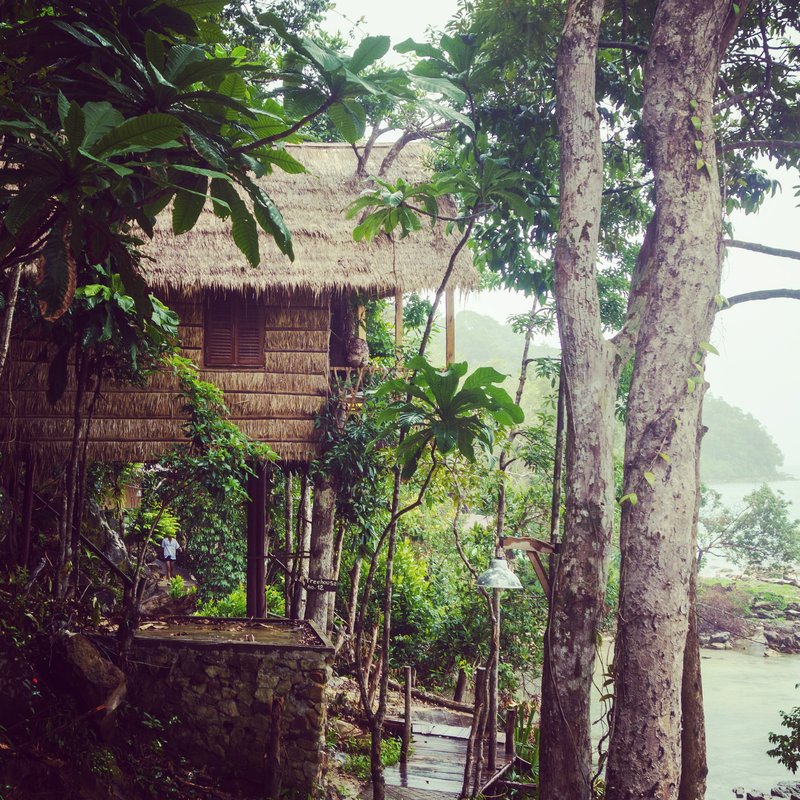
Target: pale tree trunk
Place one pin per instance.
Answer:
(663, 414)
(8, 318)
(589, 368)
(321, 558)
(694, 768)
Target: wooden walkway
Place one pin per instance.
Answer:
(435, 770)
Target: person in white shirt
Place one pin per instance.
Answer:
(171, 547)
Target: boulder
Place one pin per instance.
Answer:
(97, 682)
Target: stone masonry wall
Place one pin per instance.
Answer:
(227, 697)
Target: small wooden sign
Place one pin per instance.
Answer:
(321, 585)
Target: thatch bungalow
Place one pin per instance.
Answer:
(268, 336)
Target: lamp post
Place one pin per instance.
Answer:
(496, 578)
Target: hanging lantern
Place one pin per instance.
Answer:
(499, 576)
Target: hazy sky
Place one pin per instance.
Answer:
(758, 368)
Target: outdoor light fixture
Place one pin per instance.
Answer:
(499, 576)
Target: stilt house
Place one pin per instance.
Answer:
(268, 336)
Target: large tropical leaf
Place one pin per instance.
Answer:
(99, 119)
(243, 227)
(146, 131)
(189, 203)
(56, 274)
(369, 50)
(31, 199)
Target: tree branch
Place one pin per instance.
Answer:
(765, 144)
(247, 148)
(605, 44)
(762, 294)
(762, 248)
(409, 136)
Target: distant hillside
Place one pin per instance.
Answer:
(737, 447)
(481, 341)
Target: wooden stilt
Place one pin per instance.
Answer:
(406, 743)
(252, 535)
(450, 326)
(27, 511)
(398, 320)
(260, 541)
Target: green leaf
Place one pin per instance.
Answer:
(422, 49)
(700, 163)
(631, 498)
(690, 385)
(189, 204)
(31, 199)
(664, 456)
(698, 144)
(74, 129)
(154, 47)
(696, 122)
(283, 159)
(199, 8)
(693, 104)
(708, 348)
(721, 301)
(650, 478)
(243, 228)
(351, 125)
(439, 86)
(369, 50)
(56, 274)
(146, 131)
(99, 119)
(270, 218)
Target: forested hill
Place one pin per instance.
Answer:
(737, 446)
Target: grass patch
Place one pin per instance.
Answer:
(357, 760)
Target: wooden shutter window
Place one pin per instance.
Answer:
(234, 334)
(249, 337)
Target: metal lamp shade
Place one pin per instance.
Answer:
(499, 576)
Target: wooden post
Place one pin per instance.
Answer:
(256, 542)
(252, 491)
(461, 685)
(474, 738)
(260, 549)
(511, 724)
(407, 718)
(398, 320)
(450, 325)
(27, 511)
(491, 720)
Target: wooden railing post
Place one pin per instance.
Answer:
(511, 724)
(406, 744)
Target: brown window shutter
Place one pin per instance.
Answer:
(234, 334)
(249, 336)
(219, 334)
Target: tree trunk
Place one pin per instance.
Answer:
(300, 571)
(694, 768)
(288, 543)
(578, 585)
(663, 409)
(8, 318)
(321, 559)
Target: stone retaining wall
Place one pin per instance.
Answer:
(252, 710)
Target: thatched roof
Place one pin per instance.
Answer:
(326, 257)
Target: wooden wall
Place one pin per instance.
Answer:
(276, 404)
